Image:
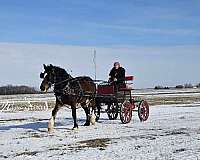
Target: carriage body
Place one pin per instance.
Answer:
(121, 101)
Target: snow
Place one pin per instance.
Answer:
(171, 132)
(149, 93)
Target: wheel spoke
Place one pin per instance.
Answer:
(143, 111)
(112, 111)
(126, 112)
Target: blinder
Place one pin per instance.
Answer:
(42, 75)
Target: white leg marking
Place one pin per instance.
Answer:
(51, 124)
(75, 129)
(93, 119)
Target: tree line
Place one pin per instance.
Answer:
(11, 90)
(187, 85)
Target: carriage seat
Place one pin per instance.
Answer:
(127, 85)
(129, 78)
(108, 89)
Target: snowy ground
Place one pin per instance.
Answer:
(171, 132)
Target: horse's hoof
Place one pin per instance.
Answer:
(75, 128)
(87, 124)
(50, 130)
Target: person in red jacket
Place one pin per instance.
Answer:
(117, 75)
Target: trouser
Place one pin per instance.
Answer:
(117, 85)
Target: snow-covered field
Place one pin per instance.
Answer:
(171, 132)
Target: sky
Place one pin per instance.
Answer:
(157, 41)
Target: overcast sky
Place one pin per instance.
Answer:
(157, 41)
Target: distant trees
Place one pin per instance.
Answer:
(161, 87)
(188, 85)
(10, 90)
(198, 85)
(179, 87)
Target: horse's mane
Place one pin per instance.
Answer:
(61, 71)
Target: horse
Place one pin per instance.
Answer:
(78, 91)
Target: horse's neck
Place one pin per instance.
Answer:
(61, 82)
(62, 75)
(61, 78)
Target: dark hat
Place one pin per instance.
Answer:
(116, 63)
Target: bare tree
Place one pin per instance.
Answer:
(10, 90)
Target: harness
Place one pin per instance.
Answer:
(72, 88)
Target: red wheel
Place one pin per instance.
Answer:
(126, 112)
(143, 111)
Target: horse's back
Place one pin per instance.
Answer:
(85, 78)
(87, 84)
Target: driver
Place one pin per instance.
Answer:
(117, 75)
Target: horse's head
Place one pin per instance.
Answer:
(48, 77)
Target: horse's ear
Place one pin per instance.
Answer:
(45, 67)
(51, 65)
(41, 75)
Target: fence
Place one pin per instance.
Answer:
(39, 104)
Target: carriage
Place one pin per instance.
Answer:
(83, 92)
(120, 102)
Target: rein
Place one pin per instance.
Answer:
(66, 80)
(71, 91)
(71, 79)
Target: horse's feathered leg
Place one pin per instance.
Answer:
(74, 117)
(87, 112)
(53, 117)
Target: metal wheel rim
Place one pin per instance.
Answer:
(126, 113)
(143, 111)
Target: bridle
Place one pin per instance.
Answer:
(54, 83)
